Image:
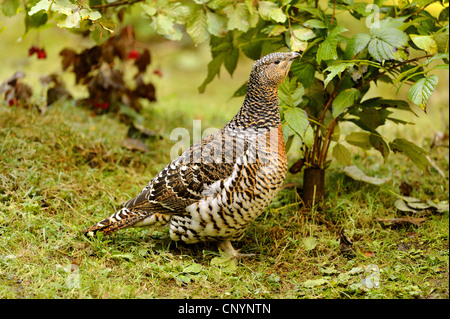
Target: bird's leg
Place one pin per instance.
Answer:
(228, 248)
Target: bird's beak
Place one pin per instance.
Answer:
(294, 55)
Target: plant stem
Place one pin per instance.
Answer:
(390, 69)
(115, 4)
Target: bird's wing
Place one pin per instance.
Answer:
(185, 180)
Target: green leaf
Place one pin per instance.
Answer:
(9, 7)
(290, 92)
(41, 5)
(213, 69)
(270, 11)
(230, 60)
(379, 144)
(442, 40)
(197, 26)
(309, 243)
(193, 268)
(421, 91)
(315, 23)
(343, 100)
(385, 43)
(297, 119)
(425, 42)
(328, 48)
(336, 69)
(304, 72)
(360, 139)
(356, 44)
(216, 24)
(238, 17)
(412, 151)
(372, 117)
(342, 154)
(310, 283)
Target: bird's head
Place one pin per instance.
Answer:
(272, 69)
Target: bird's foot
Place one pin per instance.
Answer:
(229, 249)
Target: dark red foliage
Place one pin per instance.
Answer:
(101, 68)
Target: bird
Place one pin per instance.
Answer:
(218, 186)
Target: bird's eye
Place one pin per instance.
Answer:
(276, 61)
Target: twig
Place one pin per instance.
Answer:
(334, 12)
(390, 69)
(115, 4)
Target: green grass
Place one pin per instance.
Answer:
(58, 176)
(64, 170)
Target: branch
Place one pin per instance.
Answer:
(115, 4)
(390, 69)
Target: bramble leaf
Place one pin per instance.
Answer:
(385, 42)
(343, 100)
(412, 151)
(342, 154)
(297, 119)
(421, 91)
(425, 43)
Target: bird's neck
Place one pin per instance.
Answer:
(260, 108)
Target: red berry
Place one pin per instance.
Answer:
(41, 54)
(34, 49)
(133, 55)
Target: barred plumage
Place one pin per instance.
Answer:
(214, 189)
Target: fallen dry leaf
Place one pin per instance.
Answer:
(135, 145)
(402, 220)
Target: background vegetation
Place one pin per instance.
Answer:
(63, 167)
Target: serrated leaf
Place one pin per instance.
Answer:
(356, 44)
(328, 48)
(424, 42)
(304, 72)
(385, 42)
(421, 91)
(290, 92)
(197, 26)
(216, 24)
(342, 154)
(412, 151)
(238, 17)
(336, 69)
(297, 119)
(360, 139)
(309, 243)
(343, 100)
(358, 175)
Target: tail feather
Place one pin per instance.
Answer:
(122, 219)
